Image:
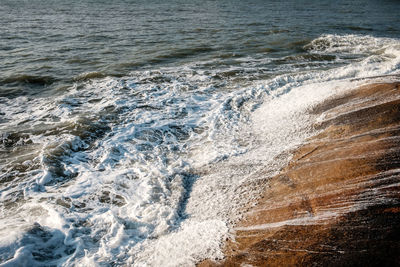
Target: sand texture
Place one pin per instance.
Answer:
(338, 201)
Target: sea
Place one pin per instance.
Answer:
(136, 133)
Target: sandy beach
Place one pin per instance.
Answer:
(337, 203)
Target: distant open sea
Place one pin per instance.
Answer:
(132, 133)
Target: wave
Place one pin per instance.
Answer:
(352, 44)
(29, 79)
(24, 84)
(89, 76)
(181, 53)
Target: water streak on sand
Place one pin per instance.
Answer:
(340, 188)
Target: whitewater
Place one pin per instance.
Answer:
(154, 168)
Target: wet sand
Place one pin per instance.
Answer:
(338, 201)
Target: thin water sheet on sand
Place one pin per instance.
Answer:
(337, 203)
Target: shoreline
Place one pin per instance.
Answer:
(338, 200)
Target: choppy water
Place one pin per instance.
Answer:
(132, 132)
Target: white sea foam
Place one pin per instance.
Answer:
(152, 169)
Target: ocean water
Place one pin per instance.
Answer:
(134, 133)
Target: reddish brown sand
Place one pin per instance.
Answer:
(338, 202)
